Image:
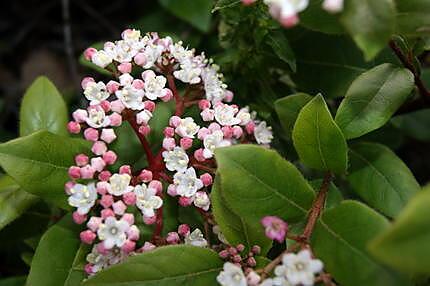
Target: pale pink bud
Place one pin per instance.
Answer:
(125, 169)
(129, 218)
(107, 213)
(112, 86)
(237, 258)
(289, 21)
(87, 236)
(98, 164)
(124, 67)
(147, 246)
(74, 172)
(133, 233)
(128, 246)
(80, 115)
(119, 208)
(102, 249)
(150, 219)
(138, 84)
(156, 185)
(87, 172)
(143, 117)
(169, 132)
(171, 190)
(99, 148)
(169, 143)
(115, 119)
(227, 131)
(144, 130)
(228, 96)
(104, 175)
(88, 53)
(140, 59)
(224, 254)
(73, 127)
(78, 218)
(91, 134)
(88, 268)
(94, 223)
(129, 198)
(186, 143)
(214, 126)
(198, 154)
(203, 132)
(167, 95)
(105, 105)
(102, 188)
(108, 135)
(251, 262)
(173, 238)
(206, 178)
(185, 202)
(110, 157)
(253, 278)
(149, 105)
(81, 160)
(333, 6)
(145, 176)
(275, 228)
(207, 114)
(106, 201)
(174, 121)
(256, 249)
(204, 104)
(68, 187)
(250, 127)
(237, 131)
(184, 229)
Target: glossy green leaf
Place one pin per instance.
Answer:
(55, 261)
(165, 266)
(314, 17)
(13, 281)
(370, 23)
(288, 109)
(340, 240)
(195, 12)
(414, 124)
(13, 201)
(279, 43)
(380, 178)
(257, 182)
(232, 226)
(43, 107)
(373, 98)
(413, 17)
(39, 163)
(405, 245)
(319, 142)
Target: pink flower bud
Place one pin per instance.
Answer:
(204, 104)
(237, 258)
(112, 86)
(105, 105)
(171, 190)
(87, 236)
(256, 249)
(275, 228)
(224, 254)
(140, 59)
(107, 213)
(94, 223)
(203, 132)
(198, 154)
(232, 250)
(156, 185)
(91, 134)
(68, 187)
(237, 132)
(99, 148)
(147, 246)
(102, 249)
(174, 121)
(98, 164)
(289, 21)
(145, 176)
(88, 268)
(250, 127)
(186, 143)
(169, 132)
(240, 247)
(251, 262)
(150, 219)
(173, 238)
(115, 119)
(167, 95)
(106, 201)
(129, 198)
(110, 157)
(125, 169)
(128, 246)
(124, 67)
(185, 202)
(78, 218)
(74, 172)
(228, 96)
(138, 84)
(119, 208)
(80, 115)
(73, 127)
(81, 160)
(133, 233)
(89, 52)
(227, 131)
(104, 175)
(214, 126)
(207, 114)
(184, 229)
(108, 135)
(206, 179)
(129, 218)
(144, 130)
(149, 105)
(102, 188)
(169, 143)
(248, 2)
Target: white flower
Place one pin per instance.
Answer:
(187, 128)
(232, 275)
(201, 200)
(277, 281)
(125, 79)
(83, 197)
(152, 52)
(244, 116)
(112, 232)
(147, 200)
(187, 184)
(154, 85)
(122, 51)
(131, 97)
(225, 114)
(286, 8)
(196, 238)
(176, 159)
(131, 35)
(96, 92)
(262, 133)
(180, 53)
(214, 87)
(119, 184)
(97, 117)
(102, 261)
(143, 117)
(101, 58)
(213, 141)
(189, 72)
(333, 6)
(299, 269)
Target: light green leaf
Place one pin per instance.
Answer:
(288, 109)
(340, 239)
(317, 139)
(195, 12)
(373, 98)
(232, 226)
(43, 107)
(279, 43)
(257, 182)
(405, 245)
(58, 257)
(413, 17)
(370, 23)
(13, 201)
(414, 124)
(165, 266)
(39, 163)
(380, 178)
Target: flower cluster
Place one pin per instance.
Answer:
(115, 202)
(286, 11)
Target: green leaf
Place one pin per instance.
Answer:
(380, 178)
(168, 265)
(340, 239)
(317, 139)
(13, 281)
(39, 163)
(232, 226)
(257, 182)
(413, 17)
(195, 12)
(288, 109)
(43, 107)
(414, 124)
(56, 259)
(314, 17)
(13, 201)
(279, 43)
(405, 245)
(373, 98)
(370, 23)
(223, 4)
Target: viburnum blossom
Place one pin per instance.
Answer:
(275, 228)
(232, 275)
(107, 196)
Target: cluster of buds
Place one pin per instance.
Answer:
(286, 11)
(113, 201)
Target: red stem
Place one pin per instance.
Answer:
(178, 99)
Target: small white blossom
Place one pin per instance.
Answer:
(131, 97)
(187, 183)
(187, 128)
(147, 200)
(122, 51)
(83, 197)
(119, 184)
(97, 117)
(281, 9)
(196, 238)
(189, 73)
(131, 35)
(143, 117)
(125, 79)
(101, 59)
(201, 200)
(244, 116)
(152, 52)
(113, 232)
(154, 85)
(225, 115)
(214, 87)
(96, 92)
(262, 133)
(333, 6)
(176, 159)
(213, 141)
(232, 275)
(98, 261)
